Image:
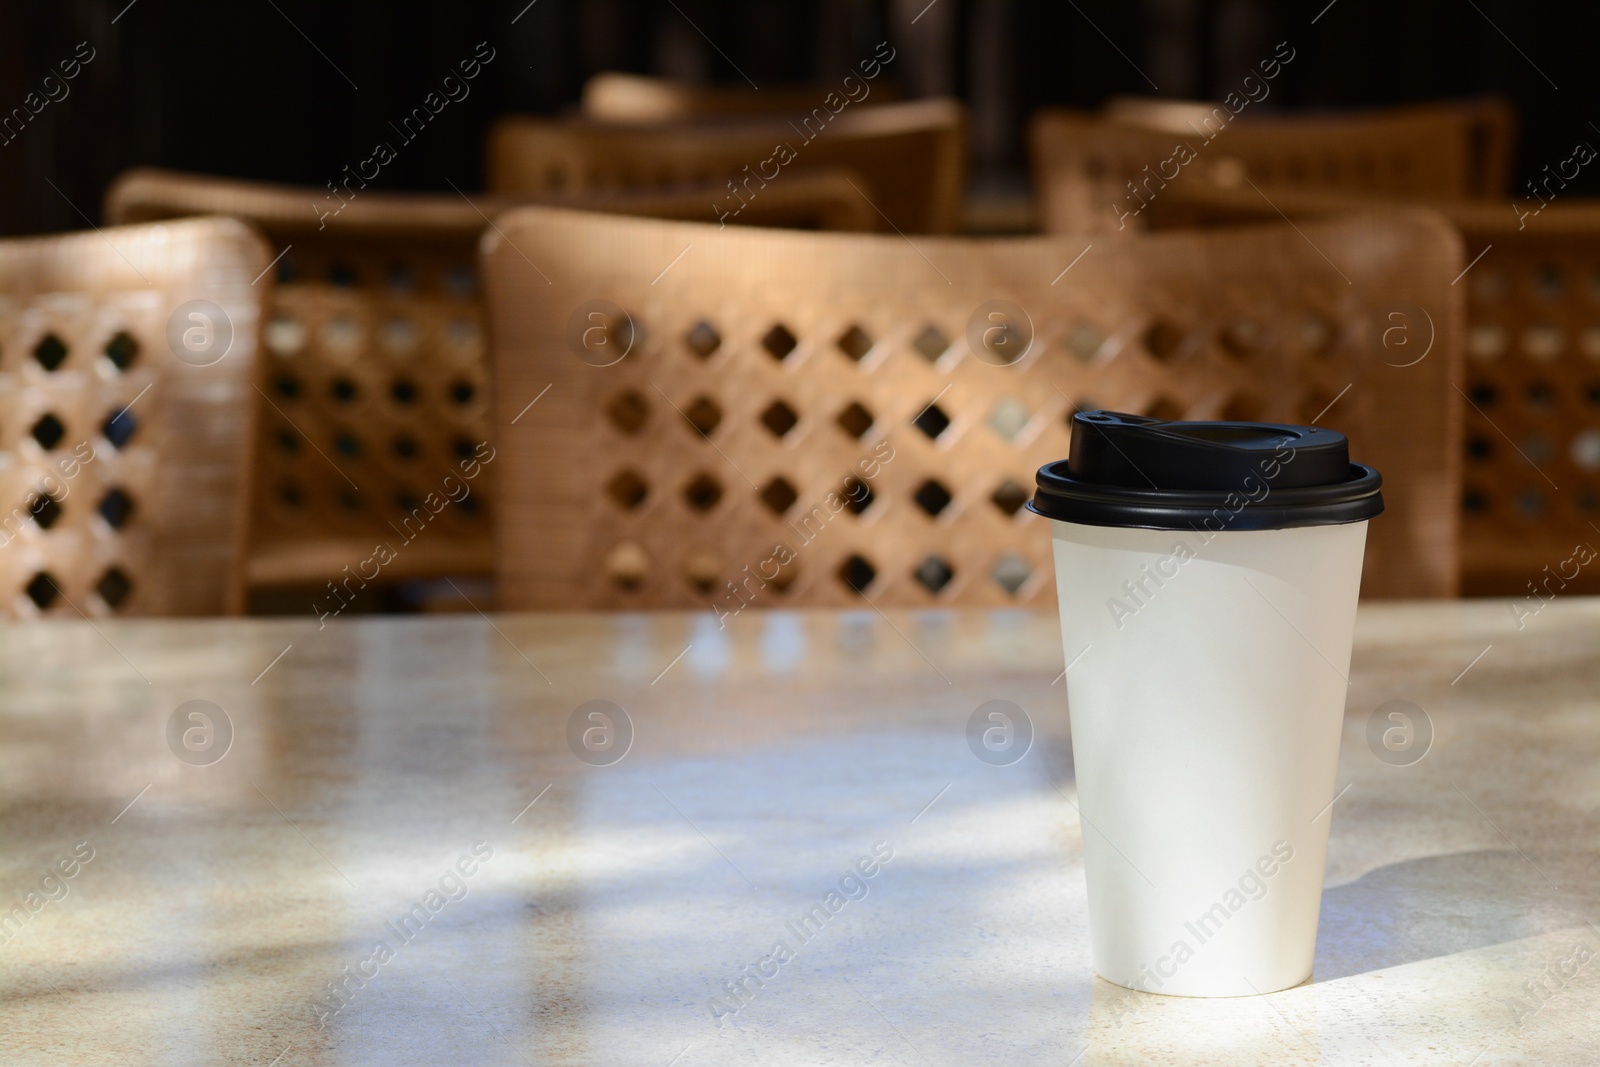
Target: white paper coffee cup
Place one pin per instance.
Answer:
(1209, 663)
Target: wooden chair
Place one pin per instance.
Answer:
(912, 157)
(375, 388)
(1095, 173)
(768, 377)
(1530, 434)
(612, 96)
(127, 357)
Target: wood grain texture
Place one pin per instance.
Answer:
(661, 479)
(911, 155)
(123, 469)
(375, 387)
(1092, 172)
(1530, 383)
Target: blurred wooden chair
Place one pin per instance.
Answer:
(912, 157)
(1530, 433)
(612, 96)
(127, 358)
(1095, 172)
(850, 396)
(375, 387)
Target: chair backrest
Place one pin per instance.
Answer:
(127, 359)
(1530, 432)
(611, 96)
(1096, 172)
(912, 157)
(804, 415)
(375, 386)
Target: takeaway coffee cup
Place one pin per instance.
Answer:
(1208, 574)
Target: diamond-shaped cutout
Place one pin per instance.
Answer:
(116, 507)
(284, 335)
(628, 489)
(42, 590)
(932, 497)
(462, 391)
(113, 587)
(1011, 572)
(119, 427)
(1009, 417)
(778, 495)
(780, 418)
(779, 342)
(628, 411)
(1543, 342)
(122, 350)
(858, 495)
(341, 276)
(702, 569)
(1485, 342)
(703, 492)
(45, 509)
(1549, 282)
(857, 573)
(1009, 497)
(343, 390)
(50, 352)
(855, 343)
(704, 414)
(855, 420)
(933, 574)
(1084, 341)
(1163, 339)
(931, 343)
(1241, 337)
(1163, 407)
(48, 431)
(404, 391)
(932, 421)
(287, 385)
(703, 339)
(1242, 407)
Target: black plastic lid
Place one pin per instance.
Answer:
(1128, 470)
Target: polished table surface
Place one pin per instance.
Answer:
(566, 910)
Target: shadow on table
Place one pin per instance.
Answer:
(1425, 908)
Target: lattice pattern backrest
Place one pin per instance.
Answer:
(1083, 165)
(769, 377)
(912, 156)
(375, 385)
(122, 467)
(1532, 429)
(1530, 436)
(378, 388)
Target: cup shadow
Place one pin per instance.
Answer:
(1434, 906)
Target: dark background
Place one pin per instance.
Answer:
(292, 90)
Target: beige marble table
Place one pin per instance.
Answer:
(410, 783)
